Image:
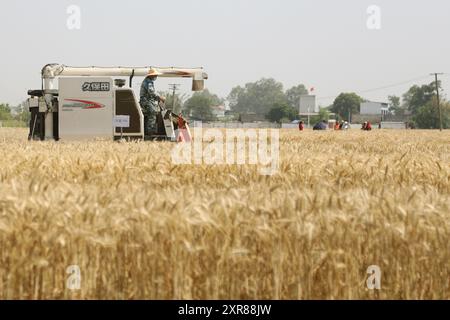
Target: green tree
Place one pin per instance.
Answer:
(5, 112)
(179, 100)
(324, 114)
(293, 95)
(419, 96)
(258, 97)
(199, 105)
(395, 105)
(427, 116)
(281, 111)
(23, 114)
(345, 104)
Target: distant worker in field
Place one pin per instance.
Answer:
(322, 125)
(363, 127)
(366, 126)
(337, 126)
(149, 101)
(301, 126)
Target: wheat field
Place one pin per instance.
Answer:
(140, 227)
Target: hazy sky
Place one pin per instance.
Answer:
(322, 43)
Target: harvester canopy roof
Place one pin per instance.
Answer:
(58, 70)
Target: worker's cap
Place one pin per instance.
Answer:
(153, 73)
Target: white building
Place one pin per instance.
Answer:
(308, 105)
(219, 111)
(374, 108)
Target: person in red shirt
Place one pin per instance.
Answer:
(301, 126)
(366, 126)
(337, 126)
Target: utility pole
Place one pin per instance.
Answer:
(438, 102)
(308, 119)
(174, 87)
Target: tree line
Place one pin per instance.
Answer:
(265, 98)
(268, 99)
(14, 116)
(419, 102)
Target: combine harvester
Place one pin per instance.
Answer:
(87, 102)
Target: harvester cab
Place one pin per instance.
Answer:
(86, 102)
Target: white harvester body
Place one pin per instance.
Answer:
(83, 113)
(83, 103)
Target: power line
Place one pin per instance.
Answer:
(381, 88)
(394, 85)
